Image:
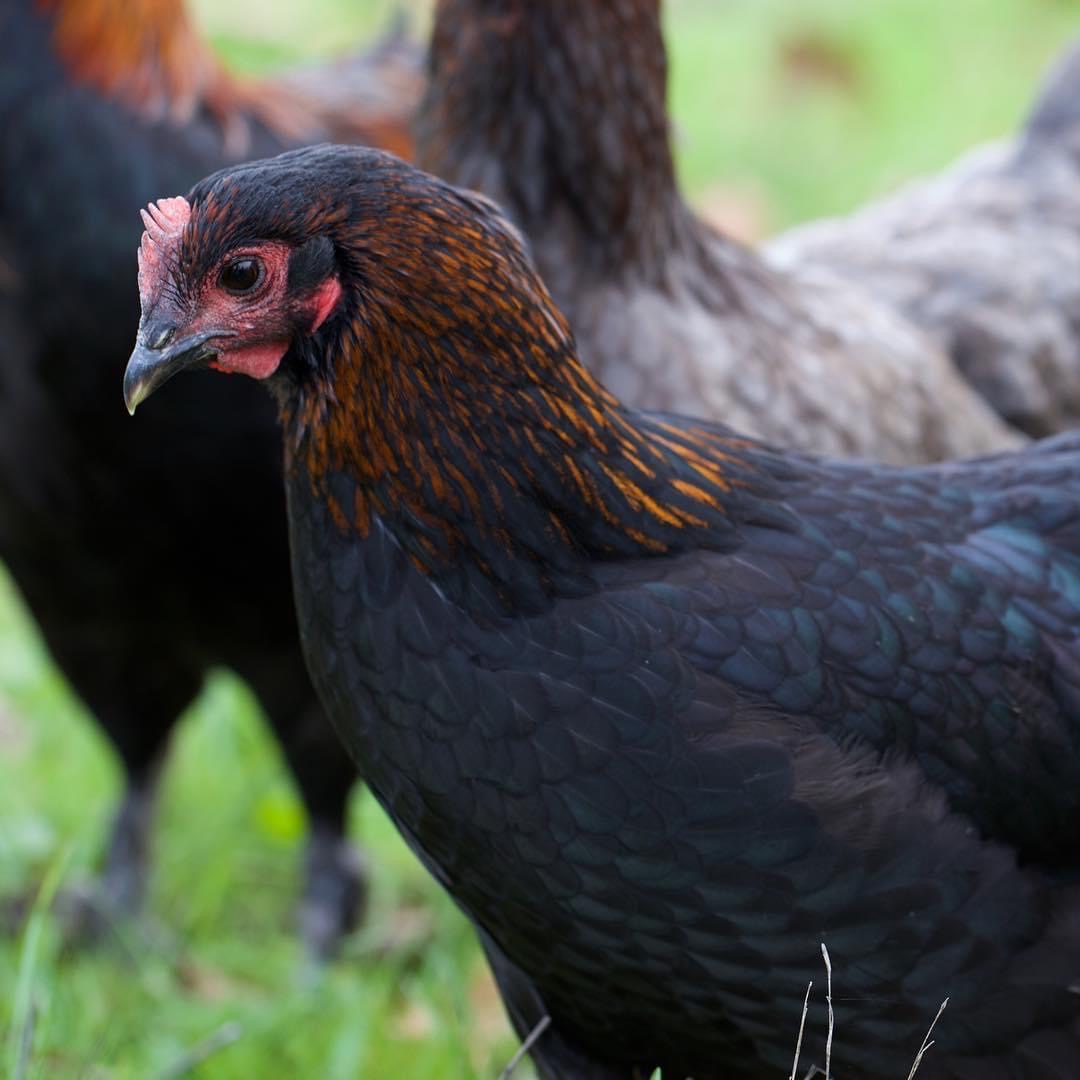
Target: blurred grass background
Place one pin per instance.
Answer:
(784, 110)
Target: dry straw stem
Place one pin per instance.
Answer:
(525, 1047)
(832, 1018)
(927, 1041)
(815, 1070)
(802, 1027)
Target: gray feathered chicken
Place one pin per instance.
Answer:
(985, 255)
(557, 111)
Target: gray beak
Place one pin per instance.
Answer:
(159, 354)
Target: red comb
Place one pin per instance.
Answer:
(164, 221)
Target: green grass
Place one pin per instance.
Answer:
(900, 87)
(891, 88)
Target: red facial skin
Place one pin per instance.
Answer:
(259, 318)
(249, 315)
(259, 323)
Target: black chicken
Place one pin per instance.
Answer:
(102, 105)
(661, 707)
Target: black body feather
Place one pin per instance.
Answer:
(665, 709)
(658, 798)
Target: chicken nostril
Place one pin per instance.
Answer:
(162, 337)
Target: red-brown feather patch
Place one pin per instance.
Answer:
(149, 55)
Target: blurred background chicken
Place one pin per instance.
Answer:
(102, 103)
(557, 111)
(986, 255)
(783, 111)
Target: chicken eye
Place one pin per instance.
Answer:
(241, 275)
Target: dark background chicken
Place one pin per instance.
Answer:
(557, 111)
(661, 707)
(103, 105)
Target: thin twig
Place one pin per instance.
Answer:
(927, 1042)
(525, 1047)
(26, 1043)
(217, 1040)
(828, 999)
(802, 1025)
